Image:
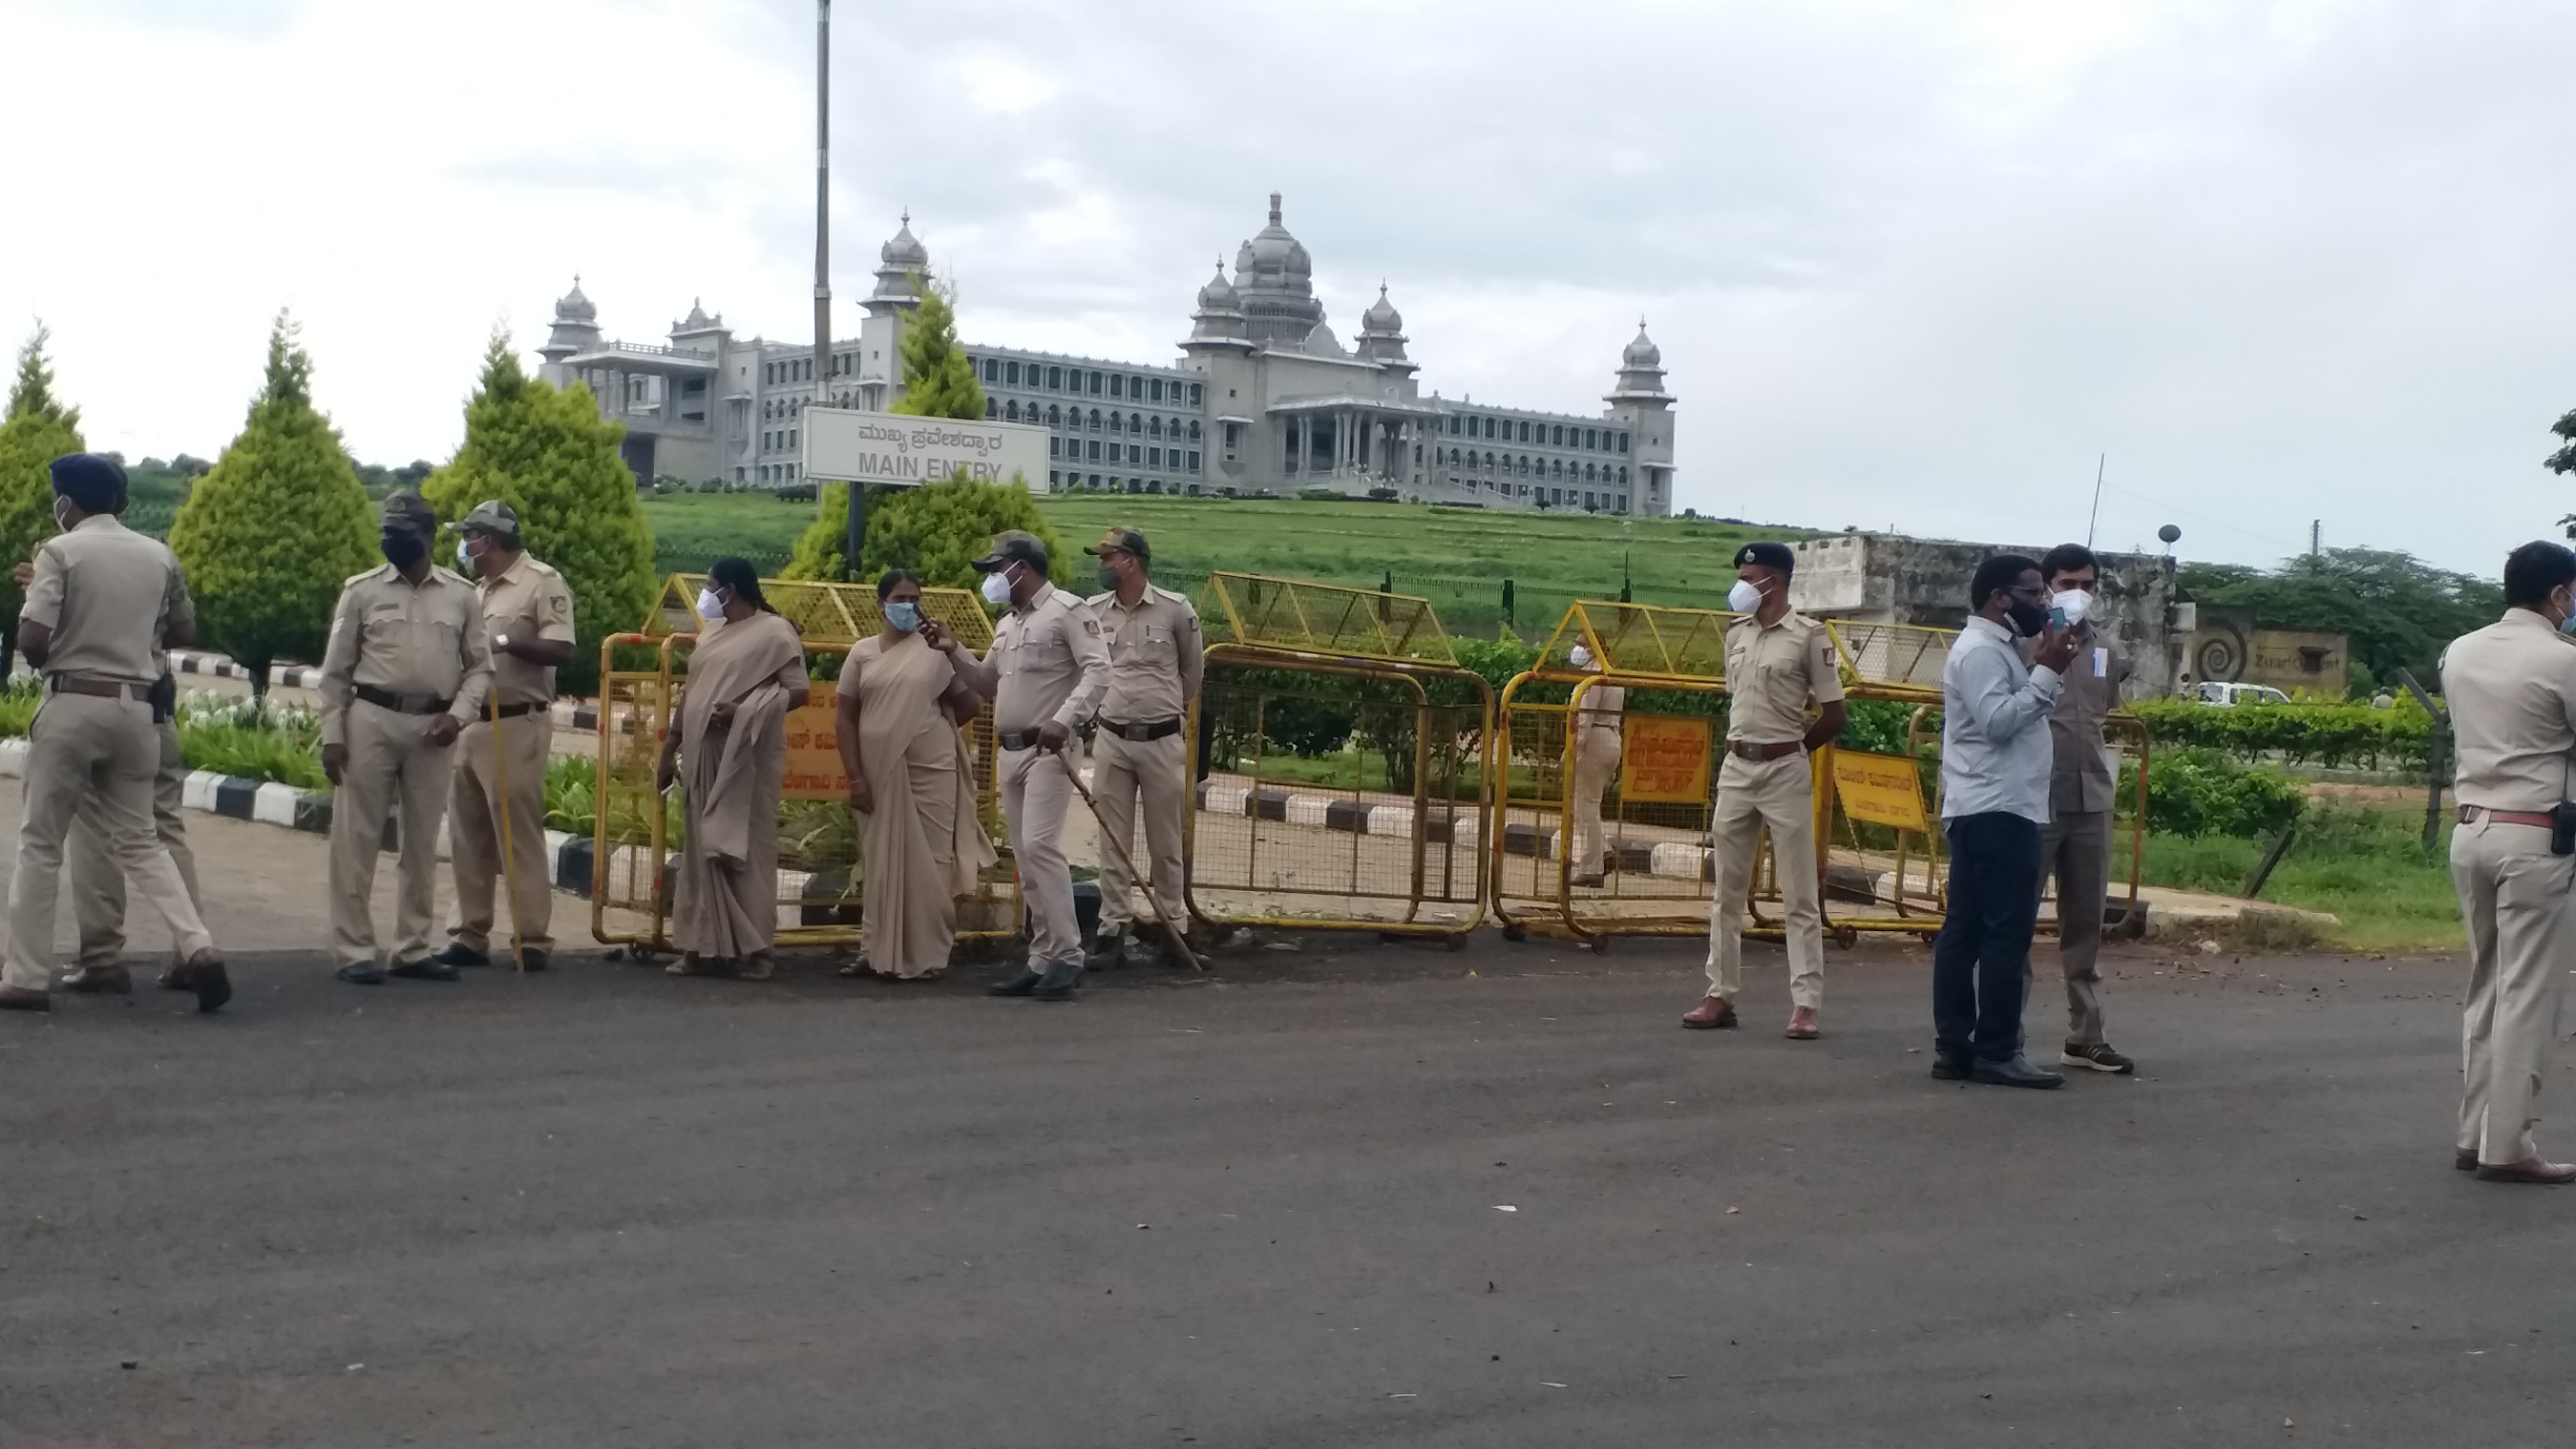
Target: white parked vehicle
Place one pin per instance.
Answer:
(2222, 693)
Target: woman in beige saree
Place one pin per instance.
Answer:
(730, 736)
(900, 703)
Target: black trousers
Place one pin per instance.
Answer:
(1981, 959)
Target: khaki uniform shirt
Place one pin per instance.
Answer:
(528, 601)
(425, 639)
(1772, 672)
(110, 596)
(1047, 662)
(1156, 658)
(2511, 687)
(2081, 778)
(1603, 704)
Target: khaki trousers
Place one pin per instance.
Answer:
(2513, 899)
(1035, 788)
(474, 854)
(97, 883)
(1155, 772)
(388, 754)
(83, 745)
(1596, 764)
(2075, 846)
(1751, 796)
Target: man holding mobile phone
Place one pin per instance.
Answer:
(2075, 847)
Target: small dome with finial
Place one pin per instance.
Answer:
(573, 306)
(1381, 315)
(1219, 295)
(904, 249)
(1642, 352)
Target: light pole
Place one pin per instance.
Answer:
(858, 521)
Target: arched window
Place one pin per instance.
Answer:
(1055, 416)
(1623, 477)
(1489, 462)
(1116, 423)
(1194, 430)
(1135, 424)
(1154, 428)
(992, 409)
(1095, 414)
(1453, 457)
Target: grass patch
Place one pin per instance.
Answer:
(1456, 557)
(2366, 865)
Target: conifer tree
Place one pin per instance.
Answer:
(270, 535)
(37, 430)
(938, 382)
(550, 455)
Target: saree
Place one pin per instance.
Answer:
(923, 845)
(725, 904)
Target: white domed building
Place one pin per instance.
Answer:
(1264, 398)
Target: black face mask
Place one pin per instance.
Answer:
(2028, 619)
(402, 547)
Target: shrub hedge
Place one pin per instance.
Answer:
(2331, 735)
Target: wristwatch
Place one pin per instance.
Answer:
(500, 641)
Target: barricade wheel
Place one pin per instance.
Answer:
(1600, 945)
(1514, 931)
(1455, 940)
(1846, 937)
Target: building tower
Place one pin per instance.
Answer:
(1639, 404)
(903, 269)
(576, 330)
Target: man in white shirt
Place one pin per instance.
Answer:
(1994, 803)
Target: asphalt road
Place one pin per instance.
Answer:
(1329, 1197)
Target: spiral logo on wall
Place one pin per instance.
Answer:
(2218, 658)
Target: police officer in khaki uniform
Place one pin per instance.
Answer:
(1046, 674)
(1156, 660)
(93, 879)
(103, 602)
(2511, 687)
(1778, 662)
(527, 610)
(2075, 846)
(404, 673)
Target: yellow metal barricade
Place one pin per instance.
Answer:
(1654, 822)
(820, 866)
(1342, 760)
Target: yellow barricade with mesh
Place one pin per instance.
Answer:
(1341, 760)
(635, 829)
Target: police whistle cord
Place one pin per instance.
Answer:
(509, 866)
(1109, 836)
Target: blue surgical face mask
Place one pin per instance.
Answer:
(903, 616)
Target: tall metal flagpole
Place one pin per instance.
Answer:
(2096, 516)
(823, 253)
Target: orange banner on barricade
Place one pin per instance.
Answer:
(1880, 789)
(1664, 760)
(814, 755)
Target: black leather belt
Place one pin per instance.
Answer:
(1018, 739)
(1747, 750)
(513, 711)
(2472, 814)
(103, 688)
(1140, 733)
(403, 703)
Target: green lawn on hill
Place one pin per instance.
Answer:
(1456, 557)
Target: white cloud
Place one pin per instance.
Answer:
(1911, 262)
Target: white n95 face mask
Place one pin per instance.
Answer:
(997, 590)
(1744, 598)
(2075, 604)
(1579, 657)
(710, 604)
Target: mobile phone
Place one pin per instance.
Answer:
(2057, 617)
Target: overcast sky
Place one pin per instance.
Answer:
(1912, 265)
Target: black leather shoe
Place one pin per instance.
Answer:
(1108, 953)
(1020, 985)
(1951, 1066)
(456, 954)
(99, 980)
(206, 977)
(533, 959)
(1059, 982)
(362, 973)
(2013, 1071)
(427, 968)
(20, 998)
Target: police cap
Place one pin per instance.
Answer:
(1012, 546)
(1123, 540)
(1774, 556)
